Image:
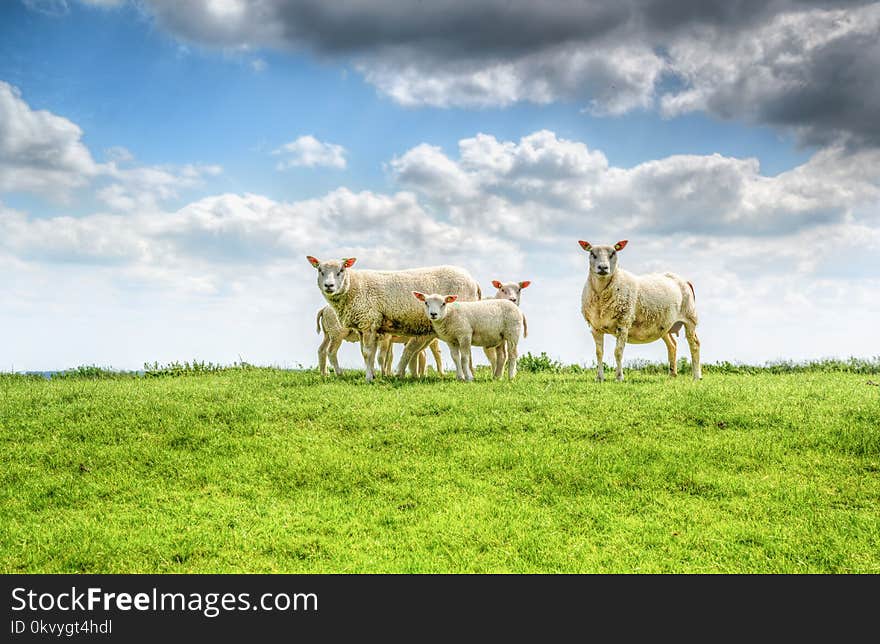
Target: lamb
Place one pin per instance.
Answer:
(334, 335)
(637, 308)
(506, 291)
(487, 323)
(377, 302)
(386, 355)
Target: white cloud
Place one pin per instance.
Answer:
(144, 188)
(43, 153)
(40, 152)
(307, 151)
(543, 185)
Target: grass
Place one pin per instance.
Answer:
(260, 470)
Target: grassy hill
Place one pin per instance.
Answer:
(260, 470)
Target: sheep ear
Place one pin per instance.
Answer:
(621, 244)
(348, 262)
(496, 283)
(313, 261)
(451, 298)
(524, 284)
(419, 296)
(585, 245)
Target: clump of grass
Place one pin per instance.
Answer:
(195, 368)
(90, 372)
(539, 363)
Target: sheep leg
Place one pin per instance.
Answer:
(465, 345)
(599, 339)
(690, 331)
(438, 358)
(322, 355)
(492, 356)
(423, 363)
(456, 358)
(369, 346)
(332, 352)
(511, 358)
(384, 346)
(671, 347)
(500, 356)
(622, 335)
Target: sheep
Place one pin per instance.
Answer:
(334, 335)
(636, 308)
(506, 291)
(376, 302)
(487, 323)
(386, 355)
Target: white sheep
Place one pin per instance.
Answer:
(334, 335)
(487, 323)
(636, 308)
(506, 291)
(386, 355)
(377, 302)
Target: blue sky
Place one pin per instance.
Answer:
(183, 109)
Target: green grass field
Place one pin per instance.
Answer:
(263, 470)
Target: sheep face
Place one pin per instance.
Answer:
(332, 276)
(435, 305)
(509, 290)
(603, 259)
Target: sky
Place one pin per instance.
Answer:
(165, 167)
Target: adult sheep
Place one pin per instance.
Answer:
(376, 302)
(636, 308)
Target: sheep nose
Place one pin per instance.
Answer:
(433, 316)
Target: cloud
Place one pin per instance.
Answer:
(813, 72)
(40, 152)
(144, 188)
(43, 153)
(309, 152)
(542, 186)
(804, 66)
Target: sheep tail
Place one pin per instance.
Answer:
(318, 320)
(479, 292)
(525, 327)
(693, 292)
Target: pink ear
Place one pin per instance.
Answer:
(585, 245)
(621, 244)
(349, 262)
(419, 296)
(313, 261)
(524, 284)
(451, 298)
(496, 283)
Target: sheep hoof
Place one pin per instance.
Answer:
(673, 374)
(619, 377)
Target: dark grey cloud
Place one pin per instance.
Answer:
(612, 56)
